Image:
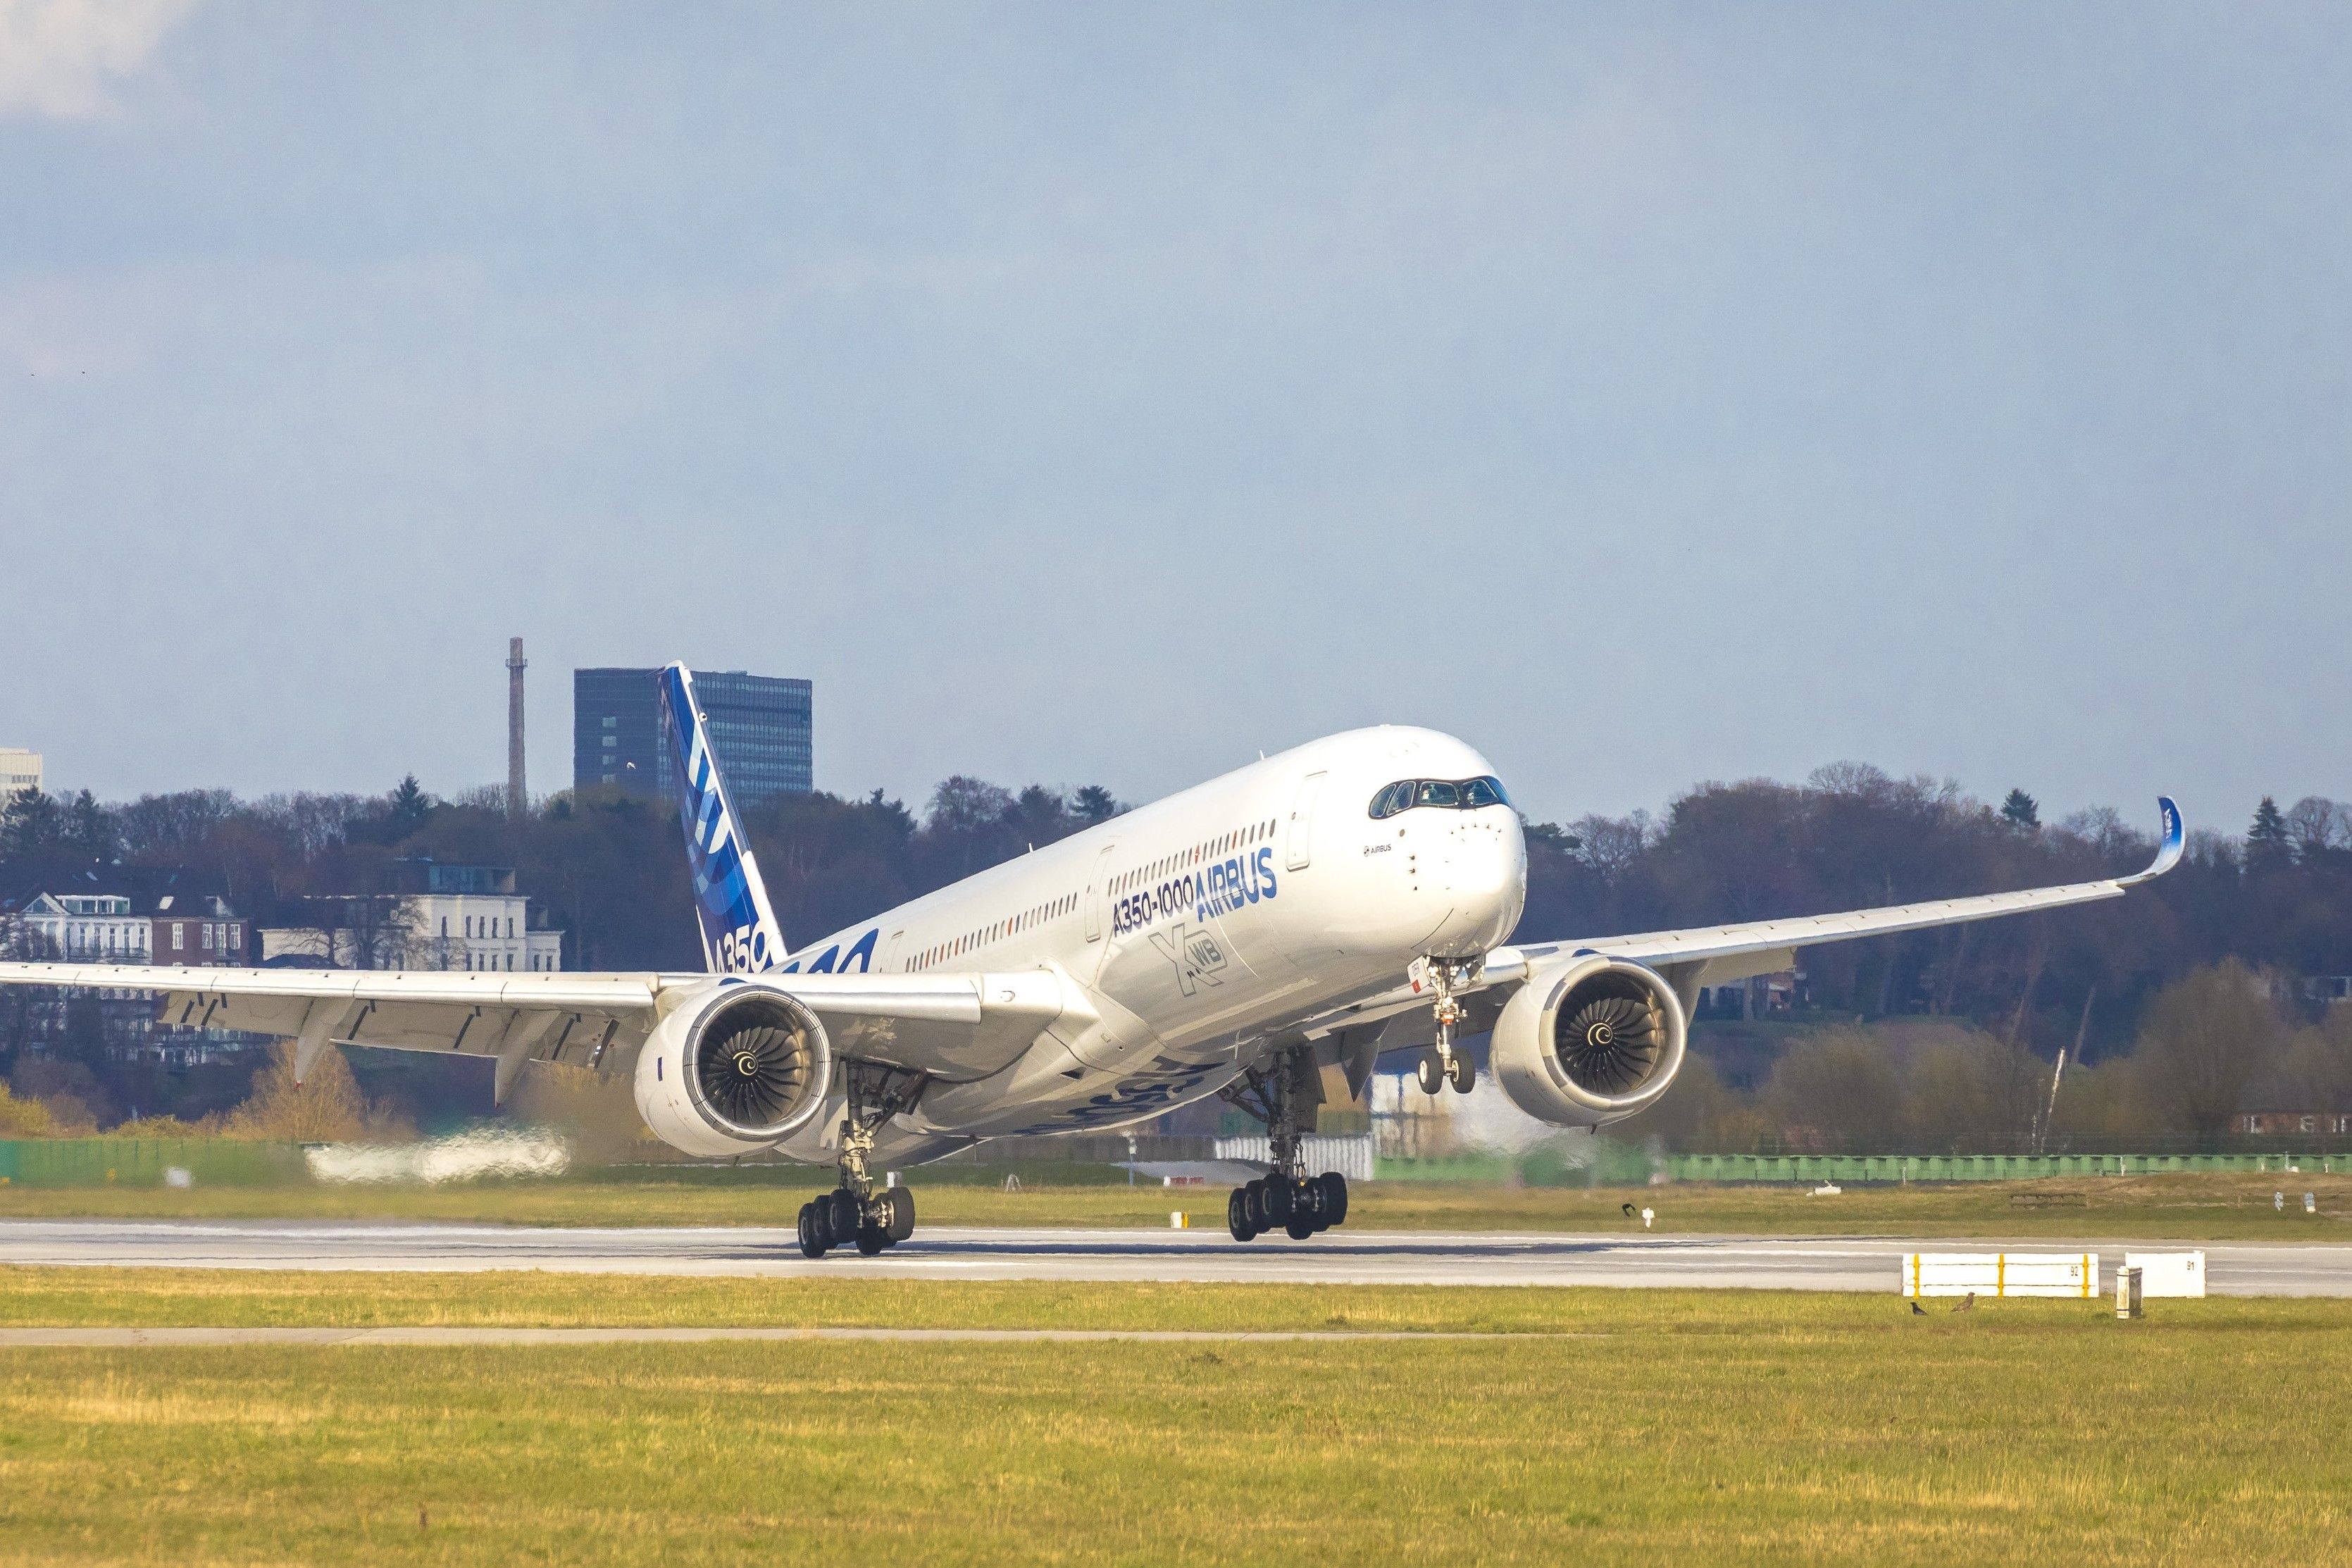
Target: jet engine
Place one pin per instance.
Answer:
(1590, 1042)
(736, 1070)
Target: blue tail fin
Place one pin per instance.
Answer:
(739, 929)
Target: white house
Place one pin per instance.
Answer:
(441, 916)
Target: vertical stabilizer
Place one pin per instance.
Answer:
(739, 930)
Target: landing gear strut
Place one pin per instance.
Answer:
(1444, 1065)
(1285, 1098)
(856, 1214)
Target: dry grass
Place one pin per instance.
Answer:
(1695, 1428)
(2181, 1208)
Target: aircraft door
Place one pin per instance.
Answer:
(1297, 847)
(1098, 893)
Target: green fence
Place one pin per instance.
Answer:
(1972, 1167)
(142, 1161)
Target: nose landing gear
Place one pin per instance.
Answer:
(1435, 1070)
(1445, 977)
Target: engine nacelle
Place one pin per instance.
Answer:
(1589, 1041)
(734, 1072)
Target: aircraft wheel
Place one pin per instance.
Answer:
(841, 1211)
(898, 1207)
(1278, 1200)
(1335, 1196)
(811, 1243)
(1237, 1216)
(1253, 1209)
(1431, 1072)
(870, 1241)
(1300, 1227)
(1459, 1074)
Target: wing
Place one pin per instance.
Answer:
(951, 1025)
(1702, 955)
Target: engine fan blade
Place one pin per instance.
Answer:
(1608, 1045)
(754, 1076)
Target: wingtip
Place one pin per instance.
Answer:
(2173, 841)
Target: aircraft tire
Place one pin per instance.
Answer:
(1237, 1216)
(1253, 1209)
(1278, 1199)
(870, 1241)
(811, 1243)
(1300, 1227)
(1335, 1196)
(1431, 1073)
(842, 1212)
(1460, 1074)
(899, 1204)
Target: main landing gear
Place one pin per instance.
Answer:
(1299, 1205)
(1285, 1098)
(1445, 1065)
(857, 1213)
(842, 1218)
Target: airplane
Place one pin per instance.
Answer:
(1313, 909)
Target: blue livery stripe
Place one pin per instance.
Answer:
(739, 929)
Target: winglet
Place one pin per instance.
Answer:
(2168, 850)
(739, 930)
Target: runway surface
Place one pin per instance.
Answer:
(1342, 1257)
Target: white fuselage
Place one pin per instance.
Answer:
(1205, 929)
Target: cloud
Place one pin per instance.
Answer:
(58, 57)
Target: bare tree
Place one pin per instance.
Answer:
(1613, 845)
(1838, 1090)
(2205, 1040)
(2315, 825)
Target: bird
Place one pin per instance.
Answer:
(1628, 1208)
(1917, 1310)
(1966, 1302)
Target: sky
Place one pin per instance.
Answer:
(1645, 394)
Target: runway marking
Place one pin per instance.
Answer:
(120, 1338)
(1487, 1258)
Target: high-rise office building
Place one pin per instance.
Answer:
(760, 728)
(18, 770)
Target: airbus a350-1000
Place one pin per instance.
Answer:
(1316, 910)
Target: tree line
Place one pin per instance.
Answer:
(2278, 899)
(2006, 995)
(2221, 1041)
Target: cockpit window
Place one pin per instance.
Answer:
(1452, 794)
(1476, 793)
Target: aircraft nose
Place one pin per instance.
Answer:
(1486, 876)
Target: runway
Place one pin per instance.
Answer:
(1170, 1257)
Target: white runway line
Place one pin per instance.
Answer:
(1340, 1258)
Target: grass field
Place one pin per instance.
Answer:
(2181, 1208)
(1612, 1426)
